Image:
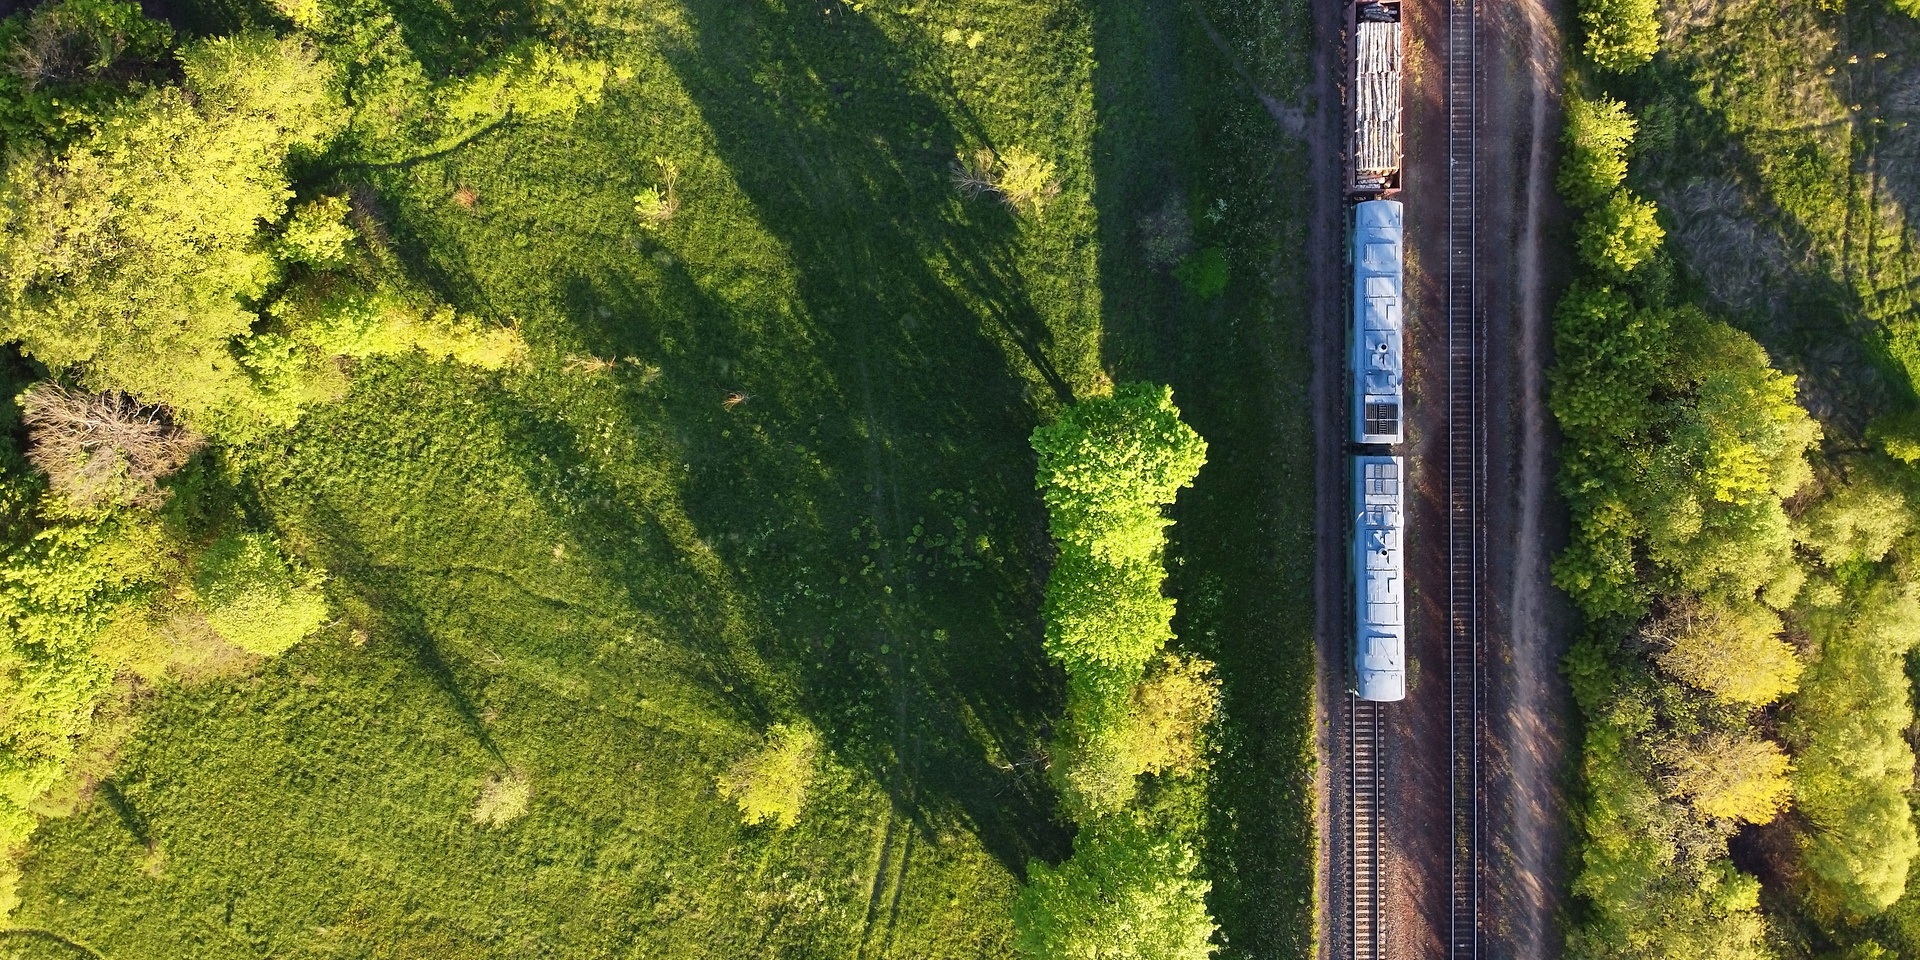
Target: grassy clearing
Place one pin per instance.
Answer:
(768, 462)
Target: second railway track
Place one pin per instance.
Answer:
(1466, 475)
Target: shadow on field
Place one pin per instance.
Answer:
(870, 488)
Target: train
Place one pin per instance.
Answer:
(1377, 253)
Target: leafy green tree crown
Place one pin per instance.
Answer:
(1126, 894)
(1109, 464)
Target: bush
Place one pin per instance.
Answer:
(1124, 895)
(771, 783)
(253, 598)
(1020, 178)
(1598, 134)
(1619, 235)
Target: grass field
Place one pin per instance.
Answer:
(769, 462)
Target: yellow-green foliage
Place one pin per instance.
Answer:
(1619, 235)
(1731, 649)
(771, 783)
(1733, 777)
(1860, 521)
(1597, 136)
(1621, 34)
(133, 256)
(1854, 766)
(254, 598)
(1109, 464)
(318, 234)
(59, 590)
(531, 81)
(1126, 894)
(1103, 615)
(1654, 887)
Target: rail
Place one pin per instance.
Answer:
(1364, 793)
(1465, 475)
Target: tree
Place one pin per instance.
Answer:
(133, 258)
(1732, 650)
(1621, 34)
(103, 449)
(1597, 136)
(1860, 521)
(1619, 235)
(1109, 464)
(1733, 777)
(1854, 766)
(1124, 895)
(771, 783)
(65, 63)
(1106, 615)
(1118, 728)
(253, 598)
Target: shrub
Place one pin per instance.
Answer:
(1204, 273)
(1167, 235)
(253, 598)
(1020, 178)
(1124, 895)
(657, 204)
(103, 449)
(1619, 235)
(1597, 136)
(1621, 34)
(771, 783)
(504, 798)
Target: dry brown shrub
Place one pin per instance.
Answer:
(106, 448)
(467, 197)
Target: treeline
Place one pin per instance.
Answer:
(186, 265)
(1132, 887)
(1747, 612)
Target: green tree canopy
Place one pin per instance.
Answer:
(1854, 766)
(1731, 649)
(134, 257)
(1109, 465)
(1597, 136)
(1859, 521)
(1621, 34)
(1126, 894)
(1733, 777)
(1619, 235)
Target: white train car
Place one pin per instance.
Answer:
(1375, 354)
(1379, 580)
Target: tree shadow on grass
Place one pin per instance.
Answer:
(884, 415)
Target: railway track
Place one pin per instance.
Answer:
(1364, 793)
(1465, 476)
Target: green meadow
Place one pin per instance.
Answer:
(767, 461)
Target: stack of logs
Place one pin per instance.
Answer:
(1376, 133)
